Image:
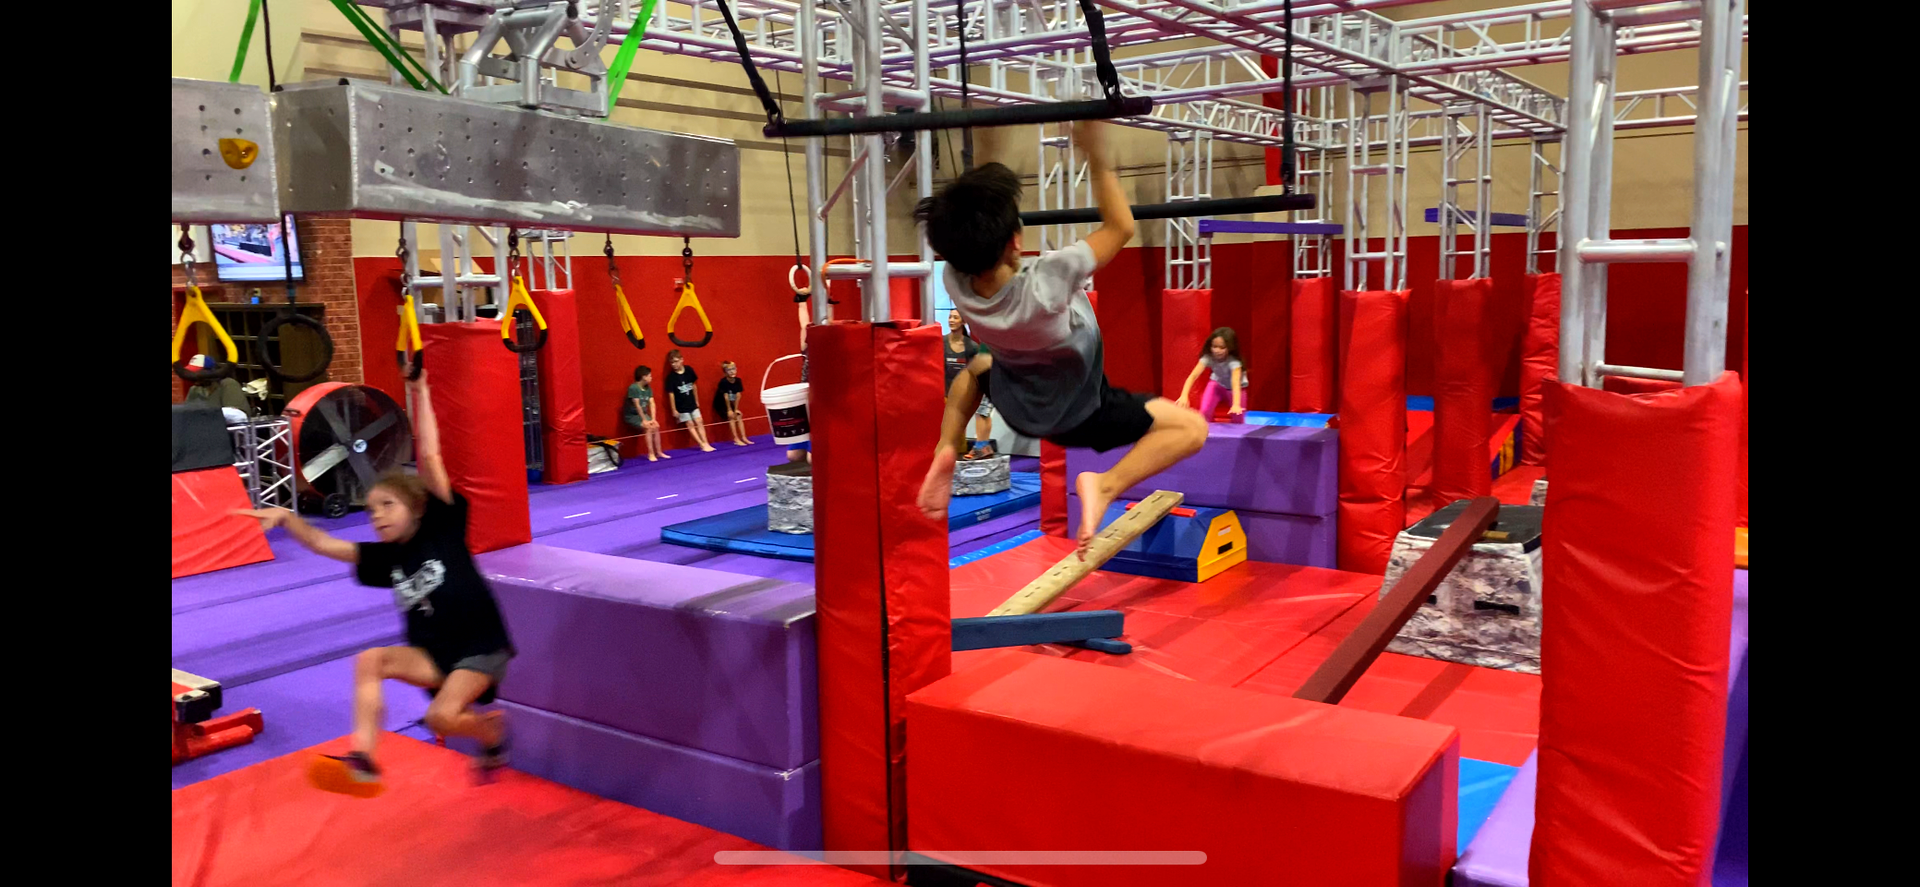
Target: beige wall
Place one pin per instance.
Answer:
(1652, 177)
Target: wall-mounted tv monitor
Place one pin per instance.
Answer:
(253, 252)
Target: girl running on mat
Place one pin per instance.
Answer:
(1047, 369)
(457, 645)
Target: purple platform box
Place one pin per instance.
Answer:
(778, 808)
(712, 661)
(1273, 538)
(1273, 469)
(1502, 847)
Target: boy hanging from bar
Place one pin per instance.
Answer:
(1045, 365)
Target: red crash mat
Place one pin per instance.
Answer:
(206, 534)
(264, 825)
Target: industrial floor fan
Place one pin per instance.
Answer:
(345, 437)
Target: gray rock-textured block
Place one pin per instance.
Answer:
(982, 476)
(1487, 611)
(790, 498)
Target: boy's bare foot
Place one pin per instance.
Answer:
(665, 456)
(1094, 499)
(652, 458)
(704, 448)
(937, 491)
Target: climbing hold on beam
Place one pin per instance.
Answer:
(1071, 569)
(1185, 209)
(1331, 681)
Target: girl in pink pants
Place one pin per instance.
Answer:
(1221, 361)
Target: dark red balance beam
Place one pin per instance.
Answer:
(1331, 681)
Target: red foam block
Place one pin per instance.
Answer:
(1313, 325)
(1633, 703)
(1185, 321)
(563, 408)
(475, 384)
(882, 609)
(206, 534)
(1539, 364)
(1463, 387)
(1373, 428)
(1270, 789)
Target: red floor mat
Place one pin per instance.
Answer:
(1219, 632)
(265, 825)
(1266, 627)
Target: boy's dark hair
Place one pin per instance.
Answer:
(1225, 334)
(640, 373)
(971, 221)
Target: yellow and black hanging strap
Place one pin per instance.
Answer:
(517, 298)
(688, 299)
(195, 311)
(408, 345)
(627, 323)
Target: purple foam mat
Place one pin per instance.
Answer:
(1498, 857)
(1274, 469)
(292, 567)
(775, 807)
(301, 709)
(714, 661)
(258, 638)
(1272, 538)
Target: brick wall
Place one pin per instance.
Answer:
(326, 247)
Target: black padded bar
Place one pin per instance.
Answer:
(1005, 115)
(1185, 209)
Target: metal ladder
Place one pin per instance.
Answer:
(1586, 249)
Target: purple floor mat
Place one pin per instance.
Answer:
(260, 637)
(301, 709)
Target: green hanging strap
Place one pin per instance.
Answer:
(246, 40)
(617, 75)
(395, 54)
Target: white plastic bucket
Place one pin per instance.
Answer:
(786, 408)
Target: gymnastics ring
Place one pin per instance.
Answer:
(689, 299)
(518, 298)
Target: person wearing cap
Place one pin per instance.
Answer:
(225, 393)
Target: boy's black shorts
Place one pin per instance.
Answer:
(1120, 419)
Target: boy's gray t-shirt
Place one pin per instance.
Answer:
(1223, 370)
(1048, 361)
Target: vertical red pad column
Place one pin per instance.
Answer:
(881, 575)
(1186, 317)
(1539, 364)
(563, 407)
(1315, 313)
(1373, 429)
(1463, 386)
(1633, 698)
(475, 383)
(1053, 474)
(1746, 404)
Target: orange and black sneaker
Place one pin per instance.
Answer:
(351, 774)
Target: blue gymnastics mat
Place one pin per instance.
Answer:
(744, 531)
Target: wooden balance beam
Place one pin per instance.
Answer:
(1071, 569)
(1331, 681)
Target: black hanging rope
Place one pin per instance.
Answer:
(966, 77)
(775, 116)
(272, 332)
(1286, 89)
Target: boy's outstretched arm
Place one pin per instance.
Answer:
(426, 435)
(1116, 215)
(313, 538)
